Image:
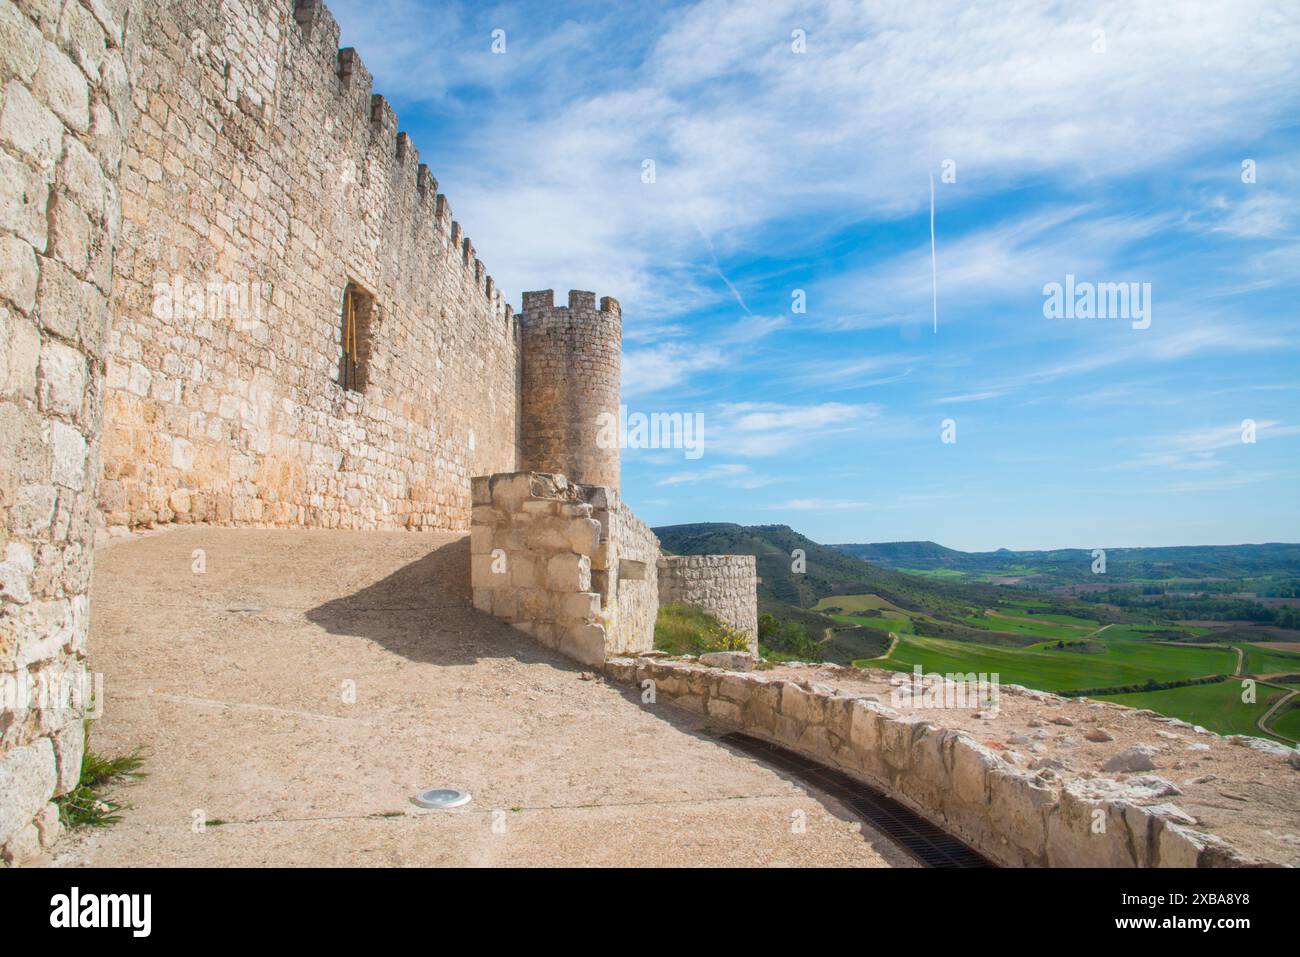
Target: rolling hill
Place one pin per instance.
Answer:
(1074, 565)
(828, 571)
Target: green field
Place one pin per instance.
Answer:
(938, 574)
(852, 603)
(1288, 722)
(1150, 632)
(901, 625)
(1123, 663)
(1037, 628)
(1024, 609)
(1118, 655)
(1269, 661)
(1217, 707)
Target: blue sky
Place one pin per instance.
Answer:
(1105, 141)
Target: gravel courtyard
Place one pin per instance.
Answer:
(295, 688)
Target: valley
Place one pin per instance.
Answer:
(1144, 648)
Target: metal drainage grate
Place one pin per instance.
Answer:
(931, 845)
(442, 798)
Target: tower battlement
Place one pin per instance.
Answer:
(571, 367)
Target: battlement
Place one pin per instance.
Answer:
(391, 155)
(543, 301)
(571, 357)
(310, 188)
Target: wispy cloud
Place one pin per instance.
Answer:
(728, 475)
(755, 429)
(803, 131)
(815, 505)
(666, 366)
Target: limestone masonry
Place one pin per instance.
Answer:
(723, 585)
(1044, 805)
(232, 294)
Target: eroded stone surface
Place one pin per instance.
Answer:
(958, 768)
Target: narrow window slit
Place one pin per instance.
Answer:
(357, 321)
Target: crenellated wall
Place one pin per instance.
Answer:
(231, 293)
(571, 368)
(262, 178)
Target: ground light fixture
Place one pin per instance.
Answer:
(442, 799)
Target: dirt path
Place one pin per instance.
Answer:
(292, 697)
(1265, 720)
(893, 643)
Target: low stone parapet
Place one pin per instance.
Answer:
(726, 586)
(1016, 816)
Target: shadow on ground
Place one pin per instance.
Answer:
(423, 612)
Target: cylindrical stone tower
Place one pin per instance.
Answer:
(570, 415)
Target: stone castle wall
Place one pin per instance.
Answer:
(634, 579)
(571, 368)
(726, 586)
(534, 541)
(262, 178)
(66, 109)
(188, 209)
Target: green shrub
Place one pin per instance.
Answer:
(785, 640)
(683, 630)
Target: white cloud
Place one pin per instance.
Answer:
(1199, 450)
(755, 429)
(746, 133)
(815, 505)
(729, 475)
(665, 366)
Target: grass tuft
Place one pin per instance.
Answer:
(86, 805)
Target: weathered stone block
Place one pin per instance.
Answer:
(505, 603)
(581, 607)
(801, 705)
(23, 196)
(509, 491)
(485, 515)
(569, 573)
(48, 824)
(480, 539)
(28, 777)
(63, 379)
(586, 643)
(62, 85)
(70, 450)
(20, 43)
(725, 710)
(69, 745)
(584, 535)
(486, 572)
(971, 764)
(18, 273)
(30, 127)
(21, 846)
